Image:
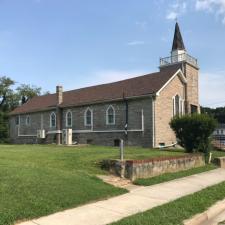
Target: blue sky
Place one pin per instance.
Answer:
(77, 43)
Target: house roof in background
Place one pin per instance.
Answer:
(133, 87)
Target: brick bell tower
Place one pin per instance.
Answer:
(189, 65)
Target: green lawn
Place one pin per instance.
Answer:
(38, 180)
(216, 154)
(174, 213)
(171, 176)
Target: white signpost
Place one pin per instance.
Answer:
(121, 149)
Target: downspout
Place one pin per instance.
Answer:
(18, 127)
(126, 123)
(59, 93)
(58, 125)
(126, 114)
(185, 89)
(142, 121)
(153, 121)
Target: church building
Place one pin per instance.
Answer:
(137, 110)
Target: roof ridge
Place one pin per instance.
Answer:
(114, 82)
(135, 86)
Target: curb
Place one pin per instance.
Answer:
(213, 211)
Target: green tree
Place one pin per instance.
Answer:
(10, 99)
(27, 92)
(218, 113)
(3, 127)
(193, 131)
(6, 92)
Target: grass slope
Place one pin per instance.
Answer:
(171, 176)
(174, 213)
(39, 180)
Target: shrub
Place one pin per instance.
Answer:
(193, 131)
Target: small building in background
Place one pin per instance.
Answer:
(219, 136)
(220, 131)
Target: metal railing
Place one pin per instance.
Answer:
(178, 58)
(218, 141)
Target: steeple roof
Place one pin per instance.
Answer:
(178, 43)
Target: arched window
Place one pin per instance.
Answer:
(53, 120)
(28, 120)
(110, 115)
(178, 106)
(69, 119)
(17, 120)
(88, 117)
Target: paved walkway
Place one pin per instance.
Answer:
(218, 220)
(137, 200)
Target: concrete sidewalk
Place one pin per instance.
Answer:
(138, 200)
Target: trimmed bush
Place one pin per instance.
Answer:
(193, 131)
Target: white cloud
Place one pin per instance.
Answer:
(213, 6)
(180, 7)
(203, 5)
(176, 9)
(212, 92)
(102, 77)
(171, 16)
(142, 24)
(107, 76)
(165, 39)
(133, 43)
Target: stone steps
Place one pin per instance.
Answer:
(118, 181)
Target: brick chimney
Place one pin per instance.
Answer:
(59, 92)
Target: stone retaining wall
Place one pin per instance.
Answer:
(134, 169)
(220, 161)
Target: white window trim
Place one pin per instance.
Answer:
(67, 125)
(181, 105)
(53, 113)
(85, 117)
(28, 116)
(107, 114)
(180, 74)
(18, 120)
(173, 106)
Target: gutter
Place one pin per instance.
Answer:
(82, 104)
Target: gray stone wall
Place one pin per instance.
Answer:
(27, 133)
(220, 161)
(100, 133)
(135, 169)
